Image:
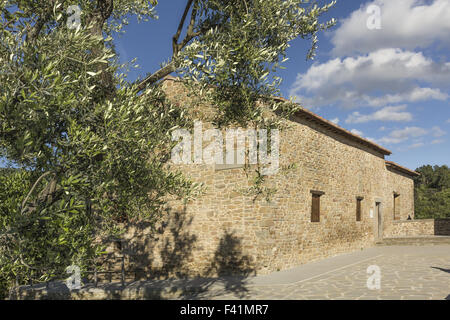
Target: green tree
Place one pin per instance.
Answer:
(432, 192)
(92, 149)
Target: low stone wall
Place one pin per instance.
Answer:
(136, 290)
(424, 227)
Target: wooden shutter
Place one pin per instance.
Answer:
(315, 208)
(358, 209)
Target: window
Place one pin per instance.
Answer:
(396, 206)
(358, 208)
(315, 207)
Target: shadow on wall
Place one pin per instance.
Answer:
(159, 264)
(442, 227)
(141, 242)
(166, 252)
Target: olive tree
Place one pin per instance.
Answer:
(92, 148)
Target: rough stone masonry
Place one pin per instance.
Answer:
(225, 231)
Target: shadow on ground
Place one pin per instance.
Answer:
(442, 269)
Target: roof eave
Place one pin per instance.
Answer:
(335, 128)
(402, 169)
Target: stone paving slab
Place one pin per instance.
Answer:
(407, 272)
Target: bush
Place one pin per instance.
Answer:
(432, 192)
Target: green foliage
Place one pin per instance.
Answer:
(39, 245)
(93, 150)
(6, 171)
(13, 186)
(246, 41)
(258, 188)
(432, 192)
(238, 48)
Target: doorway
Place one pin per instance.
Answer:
(379, 213)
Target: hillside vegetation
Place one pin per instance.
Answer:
(432, 192)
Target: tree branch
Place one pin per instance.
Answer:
(32, 189)
(190, 34)
(180, 27)
(97, 19)
(41, 21)
(161, 73)
(176, 47)
(102, 12)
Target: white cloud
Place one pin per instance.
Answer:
(416, 134)
(335, 121)
(402, 135)
(438, 132)
(413, 95)
(390, 113)
(387, 76)
(385, 69)
(357, 132)
(408, 24)
(416, 145)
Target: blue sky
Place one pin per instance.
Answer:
(390, 85)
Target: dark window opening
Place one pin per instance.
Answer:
(315, 207)
(358, 208)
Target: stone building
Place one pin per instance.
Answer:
(342, 195)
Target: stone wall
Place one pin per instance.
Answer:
(425, 227)
(412, 228)
(227, 231)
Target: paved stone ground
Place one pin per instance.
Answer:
(407, 273)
